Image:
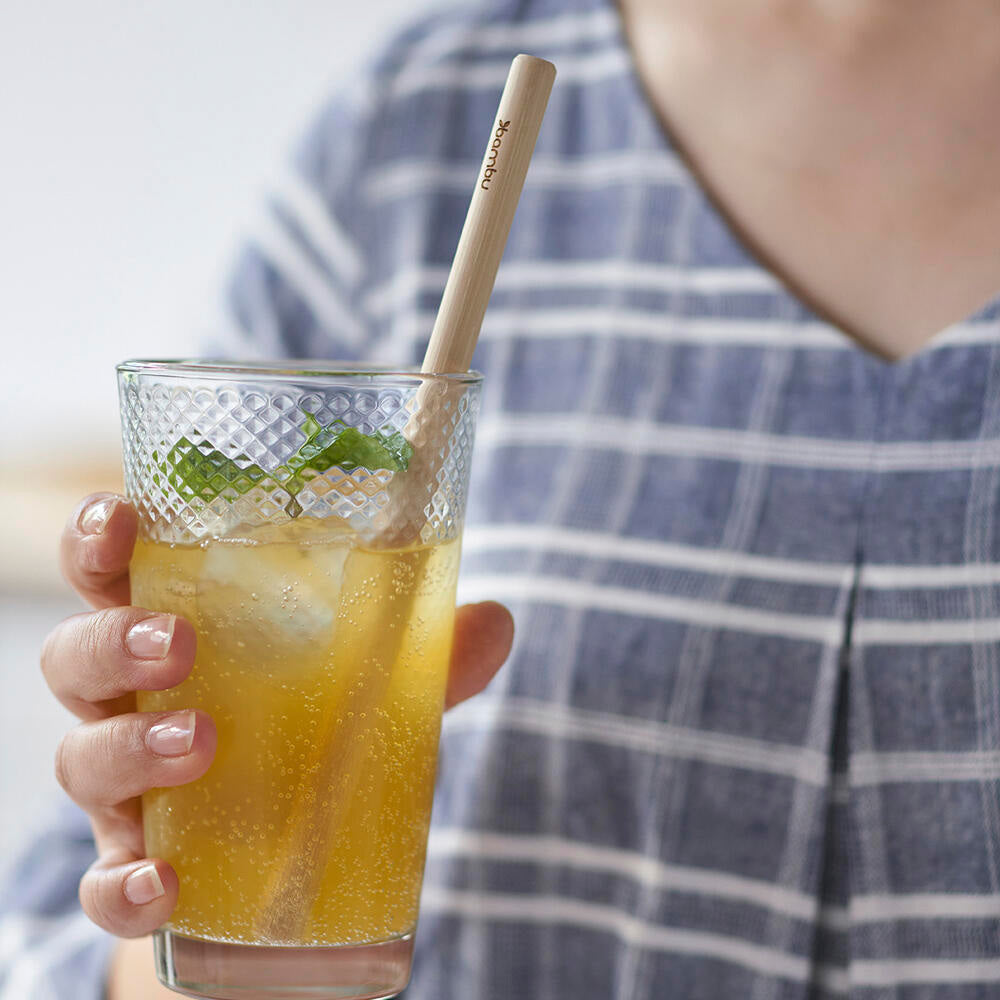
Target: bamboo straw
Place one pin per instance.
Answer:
(467, 292)
(314, 821)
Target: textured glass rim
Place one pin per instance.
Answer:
(297, 370)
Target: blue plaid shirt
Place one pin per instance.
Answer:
(748, 742)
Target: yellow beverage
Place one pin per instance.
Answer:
(323, 664)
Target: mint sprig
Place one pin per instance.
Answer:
(347, 448)
(209, 475)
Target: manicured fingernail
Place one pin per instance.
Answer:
(143, 885)
(150, 639)
(172, 737)
(94, 519)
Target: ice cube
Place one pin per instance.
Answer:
(272, 596)
(299, 531)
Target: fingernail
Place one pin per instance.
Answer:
(150, 639)
(94, 518)
(172, 737)
(143, 885)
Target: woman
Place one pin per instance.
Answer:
(748, 738)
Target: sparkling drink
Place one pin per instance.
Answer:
(269, 503)
(314, 651)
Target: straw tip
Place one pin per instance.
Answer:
(523, 61)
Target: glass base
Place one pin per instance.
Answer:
(223, 971)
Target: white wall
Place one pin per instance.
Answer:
(133, 137)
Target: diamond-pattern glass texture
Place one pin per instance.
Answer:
(229, 431)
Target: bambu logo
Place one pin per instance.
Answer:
(491, 156)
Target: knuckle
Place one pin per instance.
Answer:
(97, 897)
(89, 638)
(63, 764)
(54, 645)
(98, 761)
(48, 653)
(120, 740)
(118, 745)
(100, 644)
(99, 635)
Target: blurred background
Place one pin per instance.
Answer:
(137, 139)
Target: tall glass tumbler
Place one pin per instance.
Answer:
(263, 495)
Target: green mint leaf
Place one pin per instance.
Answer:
(400, 449)
(347, 449)
(351, 449)
(194, 473)
(208, 475)
(311, 428)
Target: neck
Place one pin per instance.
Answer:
(860, 17)
(860, 32)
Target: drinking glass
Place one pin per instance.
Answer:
(269, 501)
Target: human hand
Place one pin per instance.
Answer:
(94, 663)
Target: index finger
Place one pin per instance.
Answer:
(96, 548)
